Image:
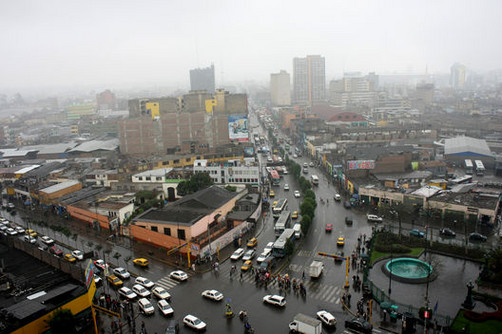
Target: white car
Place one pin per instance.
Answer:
(263, 256)
(46, 240)
(145, 306)
(127, 293)
(79, 255)
(11, 231)
(121, 272)
(164, 307)
(19, 229)
(338, 198)
(237, 254)
(101, 264)
(30, 239)
(374, 218)
(275, 300)
(311, 164)
(327, 318)
(286, 186)
(144, 281)
(269, 247)
(97, 279)
(297, 193)
(179, 275)
(249, 255)
(295, 155)
(140, 290)
(194, 322)
(161, 293)
(212, 294)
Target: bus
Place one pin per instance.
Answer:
(280, 171)
(315, 180)
(279, 247)
(279, 207)
(282, 223)
(469, 167)
(480, 168)
(274, 177)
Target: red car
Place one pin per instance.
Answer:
(56, 251)
(329, 227)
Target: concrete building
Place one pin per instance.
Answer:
(280, 88)
(354, 89)
(309, 80)
(78, 111)
(457, 76)
(460, 148)
(102, 178)
(203, 79)
(106, 100)
(231, 172)
(50, 194)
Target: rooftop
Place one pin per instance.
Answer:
(463, 144)
(59, 186)
(154, 172)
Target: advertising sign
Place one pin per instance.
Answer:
(89, 273)
(360, 164)
(249, 151)
(238, 128)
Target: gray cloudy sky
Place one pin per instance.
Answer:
(156, 42)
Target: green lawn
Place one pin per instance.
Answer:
(485, 327)
(375, 255)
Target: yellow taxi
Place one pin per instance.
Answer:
(31, 232)
(340, 241)
(70, 258)
(247, 265)
(274, 204)
(142, 262)
(252, 242)
(271, 193)
(294, 215)
(114, 280)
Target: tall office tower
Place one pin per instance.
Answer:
(280, 89)
(457, 76)
(309, 80)
(203, 79)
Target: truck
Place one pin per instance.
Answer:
(304, 324)
(315, 269)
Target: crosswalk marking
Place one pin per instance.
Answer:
(167, 282)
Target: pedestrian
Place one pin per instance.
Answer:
(348, 298)
(241, 275)
(303, 275)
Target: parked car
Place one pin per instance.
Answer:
(250, 254)
(164, 307)
(127, 293)
(275, 300)
(474, 236)
(79, 255)
(46, 240)
(121, 272)
(161, 293)
(237, 254)
(194, 322)
(417, 233)
(374, 218)
(359, 325)
(179, 275)
(140, 290)
(327, 318)
(19, 229)
(145, 306)
(31, 232)
(446, 232)
(30, 239)
(70, 258)
(142, 262)
(56, 251)
(144, 281)
(212, 294)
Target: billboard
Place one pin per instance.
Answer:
(238, 128)
(360, 164)
(249, 151)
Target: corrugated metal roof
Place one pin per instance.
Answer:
(59, 186)
(95, 145)
(463, 144)
(26, 169)
(154, 172)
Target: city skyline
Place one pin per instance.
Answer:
(56, 43)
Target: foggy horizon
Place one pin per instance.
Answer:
(61, 44)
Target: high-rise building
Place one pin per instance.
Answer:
(457, 76)
(354, 89)
(309, 80)
(106, 100)
(280, 89)
(203, 79)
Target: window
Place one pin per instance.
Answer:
(188, 159)
(167, 230)
(148, 178)
(159, 178)
(181, 234)
(154, 228)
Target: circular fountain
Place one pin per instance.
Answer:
(409, 270)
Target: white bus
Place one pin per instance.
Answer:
(315, 180)
(469, 167)
(282, 223)
(279, 207)
(279, 248)
(480, 168)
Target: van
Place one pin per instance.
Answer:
(298, 230)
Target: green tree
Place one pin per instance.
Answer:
(197, 182)
(306, 208)
(305, 224)
(62, 321)
(289, 247)
(311, 201)
(309, 194)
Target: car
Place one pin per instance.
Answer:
(348, 220)
(286, 186)
(295, 155)
(179, 275)
(311, 164)
(161, 293)
(327, 318)
(416, 233)
(172, 327)
(337, 197)
(263, 256)
(140, 290)
(305, 171)
(30, 239)
(274, 203)
(374, 218)
(121, 272)
(294, 215)
(297, 193)
(271, 193)
(194, 322)
(340, 242)
(339, 256)
(275, 300)
(142, 262)
(19, 229)
(79, 255)
(347, 205)
(252, 242)
(70, 258)
(212, 294)
(145, 306)
(305, 165)
(237, 254)
(247, 265)
(114, 280)
(31, 232)
(359, 325)
(164, 307)
(446, 232)
(144, 281)
(97, 279)
(56, 251)
(328, 228)
(43, 247)
(3, 227)
(250, 254)
(269, 246)
(46, 240)
(101, 264)
(127, 293)
(11, 231)
(269, 159)
(474, 236)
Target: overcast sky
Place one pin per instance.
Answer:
(157, 42)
